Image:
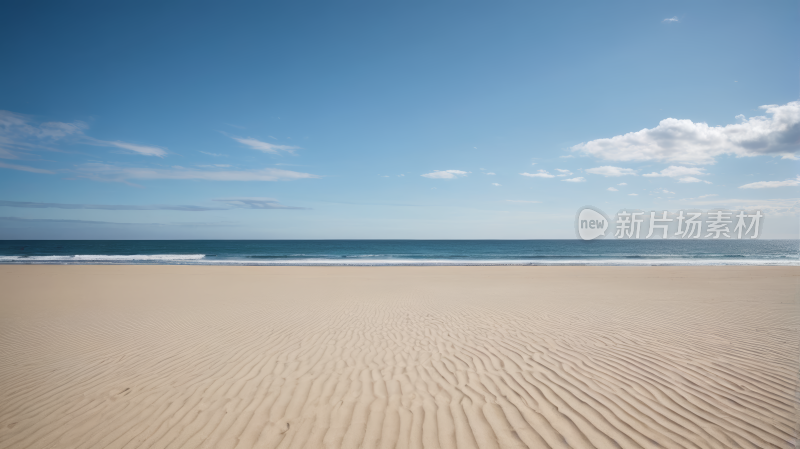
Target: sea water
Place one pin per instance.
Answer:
(403, 252)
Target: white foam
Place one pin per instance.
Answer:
(451, 262)
(91, 257)
(202, 260)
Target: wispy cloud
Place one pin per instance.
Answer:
(7, 154)
(684, 141)
(578, 179)
(563, 172)
(34, 205)
(212, 154)
(257, 203)
(19, 132)
(539, 174)
(611, 171)
(227, 204)
(445, 174)
(781, 206)
(772, 184)
(144, 150)
(94, 222)
(633, 194)
(105, 172)
(670, 20)
(611, 189)
(490, 173)
(496, 184)
(16, 126)
(25, 168)
(710, 195)
(264, 146)
(622, 184)
(523, 201)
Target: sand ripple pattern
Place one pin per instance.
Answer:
(434, 357)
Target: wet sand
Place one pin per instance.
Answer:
(396, 357)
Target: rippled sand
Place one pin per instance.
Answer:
(385, 357)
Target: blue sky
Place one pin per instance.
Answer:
(391, 119)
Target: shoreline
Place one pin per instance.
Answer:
(732, 262)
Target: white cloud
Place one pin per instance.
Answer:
(688, 142)
(445, 174)
(611, 189)
(539, 174)
(665, 191)
(264, 146)
(692, 179)
(496, 184)
(674, 171)
(490, 174)
(578, 179)
(25, 168)
(772, 184)
(212, 154)
(563, 172)
(400, 176)
(633, 194)
(523, 201)
(105, 172)
(610, 171)
(670, 20)
(707, 196)
(682, 173)
(568, 156)
(622, 184)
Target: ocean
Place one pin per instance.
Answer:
(402, 252)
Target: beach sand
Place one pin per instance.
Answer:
(385, 357)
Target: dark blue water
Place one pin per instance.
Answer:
(403, 252)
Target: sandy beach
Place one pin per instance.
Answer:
(398, 357)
